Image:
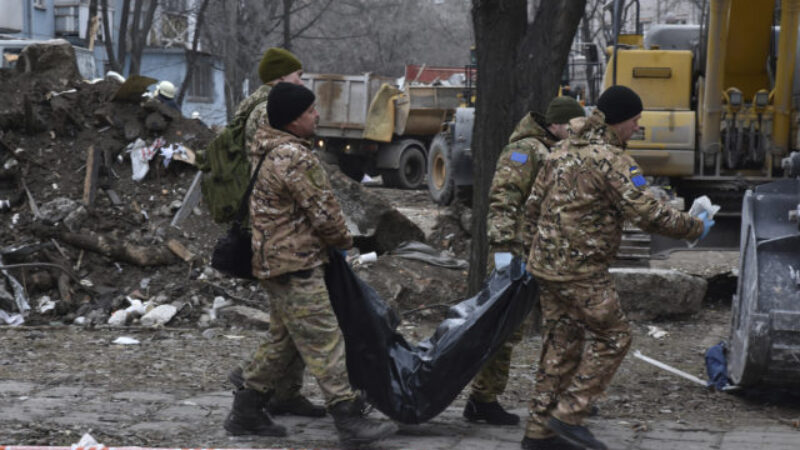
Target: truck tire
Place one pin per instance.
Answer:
(352, 166)
(441, 184)
(411, 171)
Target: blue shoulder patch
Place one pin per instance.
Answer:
(636, 177)
(521, 158)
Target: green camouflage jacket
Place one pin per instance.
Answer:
(293, 211)
(258, 116)
(516, 171)
(583, 194)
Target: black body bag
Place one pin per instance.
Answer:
(412, 384)
(233, 252)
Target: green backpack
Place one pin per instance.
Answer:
(226, 169)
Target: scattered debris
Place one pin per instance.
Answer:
(125, 340)
(656, 332)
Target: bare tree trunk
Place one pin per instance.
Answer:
(287, 24)
(122, 45)
(140, 35)
(519, 67)
(499, 27)
(92, 13)
(191, 55)
(109, 43)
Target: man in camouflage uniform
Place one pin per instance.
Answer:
(516, 171)
(584, 192)
(277, 65)
(295, 218)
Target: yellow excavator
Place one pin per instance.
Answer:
(720, 120)
(718, 114)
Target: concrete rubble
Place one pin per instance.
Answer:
(82, 231)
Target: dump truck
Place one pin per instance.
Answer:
(368, 125)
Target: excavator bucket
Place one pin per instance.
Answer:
(765, 326)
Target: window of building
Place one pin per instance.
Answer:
(39, 4)
(201, 88)
(174, 29)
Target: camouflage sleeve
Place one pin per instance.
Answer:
(533, 205)
(628, 188)
(257, 117)
(309, 186)
(513, 178)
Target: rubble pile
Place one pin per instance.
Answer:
(89, 233)
(81, 238)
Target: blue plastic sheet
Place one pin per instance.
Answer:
(717, 366)
(413, 383)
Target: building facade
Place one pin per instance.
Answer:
(164, 56)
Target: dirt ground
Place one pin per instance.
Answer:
(188, 359)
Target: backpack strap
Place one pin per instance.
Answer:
(242, 212)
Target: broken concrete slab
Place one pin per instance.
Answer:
(647, 294)
(53, 59)
(244, 316)
(409, 284)
(375, 225)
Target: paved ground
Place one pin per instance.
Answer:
(135, 415)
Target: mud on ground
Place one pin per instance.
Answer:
(191, 362)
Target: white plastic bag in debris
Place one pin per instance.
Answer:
(702, 203)
(139, 159)
(141, 154)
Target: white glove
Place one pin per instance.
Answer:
(502, 260)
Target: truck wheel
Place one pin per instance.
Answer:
(352, 166)
(441, 185)
(411, 171)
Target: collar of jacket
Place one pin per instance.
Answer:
(533, 125)
(269, 138)
(593, 130)
(259, 96)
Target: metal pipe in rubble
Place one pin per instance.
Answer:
(787, 42)
(715, 61)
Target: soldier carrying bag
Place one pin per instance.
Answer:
(233, 252)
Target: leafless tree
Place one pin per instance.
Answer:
(138, 31)
(520, 63)
(192, 53)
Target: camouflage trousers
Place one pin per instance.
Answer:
(575, 369)
(303, 332)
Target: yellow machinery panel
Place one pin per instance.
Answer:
(662, 78)
(665, 143)
(747, 48)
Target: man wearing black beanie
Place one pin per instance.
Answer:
(583, 194)
(295, 219)
(622, 109)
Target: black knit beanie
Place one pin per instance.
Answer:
(619, 103)
(286, 102)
